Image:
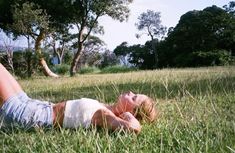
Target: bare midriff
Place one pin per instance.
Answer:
(58, 114)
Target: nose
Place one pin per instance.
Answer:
(130, 93)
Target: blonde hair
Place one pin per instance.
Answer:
(147, 110)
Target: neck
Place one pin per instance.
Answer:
(115, 109)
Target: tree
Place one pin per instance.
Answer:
(122, 51)
(92, 51)
(7, 47)
(85, 15)
(26, 19)
(59, 43)
(70, 13)
(140, 56)
(151, 22)
(31, 21)
(211, 29)
(108, 59)
(230, 7)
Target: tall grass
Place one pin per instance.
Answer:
(197, 112)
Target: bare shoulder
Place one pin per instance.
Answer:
(101, 113)
(105, 118)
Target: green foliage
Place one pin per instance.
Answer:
(117, 69)
(141, 56)
(202, 58)
(67, 58)
(28, 18)
(6, 17)
(25, 63)
(202, 30)
(212, 58)
(61, 68)
(122, 49)
(210, 31)
(108, 59)
(85, 14)
(230, 8)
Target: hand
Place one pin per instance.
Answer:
(134, 123)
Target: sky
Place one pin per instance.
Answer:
(171, 11)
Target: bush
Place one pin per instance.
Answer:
(117, 69)
(61, 68)
(86, 70)
(212, 58)
(203, 58)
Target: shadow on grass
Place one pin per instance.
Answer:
(109, 93)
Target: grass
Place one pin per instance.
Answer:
(117, 69)
(63, 69)
(106, 70)
(197, 112)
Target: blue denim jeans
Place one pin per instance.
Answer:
(20, 111)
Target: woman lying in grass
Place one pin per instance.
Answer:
(18, 110)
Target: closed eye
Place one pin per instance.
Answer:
(134, 97)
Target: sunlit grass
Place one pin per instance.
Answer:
(197, 112)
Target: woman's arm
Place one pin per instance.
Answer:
(106, 119)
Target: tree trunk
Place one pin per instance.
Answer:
(29, 58)
(46, 69)
(155, 54)
(42, 62)
(10, 59)
(76, 58)
(60, 54)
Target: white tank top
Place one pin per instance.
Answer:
(80, 112)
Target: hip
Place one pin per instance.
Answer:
(20, 111)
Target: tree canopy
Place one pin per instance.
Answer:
(150, 22)
(86, 20)
(201, 38)
(62, 16)
(207, 30)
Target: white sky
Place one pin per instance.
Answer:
(171, 11)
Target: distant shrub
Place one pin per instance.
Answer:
(117, 69)
(86, 70)
(212, 58)
(61, 68)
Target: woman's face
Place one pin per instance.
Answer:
(128, 101)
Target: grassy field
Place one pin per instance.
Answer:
(197, 112)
